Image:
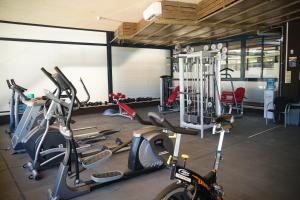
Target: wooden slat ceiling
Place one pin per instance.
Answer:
(186, 23)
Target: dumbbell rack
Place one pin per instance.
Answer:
(102, 107)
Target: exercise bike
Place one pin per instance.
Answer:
(191, 185)
(150, 148)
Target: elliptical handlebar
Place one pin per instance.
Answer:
(71, 87)
(49, 75)
(8, 83)
(86, 91)
(163, 122)
(18, 89)
(16, 85)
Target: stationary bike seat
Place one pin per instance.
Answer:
(225, 119)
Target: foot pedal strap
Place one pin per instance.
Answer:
(107, 176)
(94, 160)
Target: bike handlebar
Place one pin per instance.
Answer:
(160, 121)
(133, 114)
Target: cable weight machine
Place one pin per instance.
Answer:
(200, 80)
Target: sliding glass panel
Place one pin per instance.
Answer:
(234, 58)
(253, 58)
(271, 57)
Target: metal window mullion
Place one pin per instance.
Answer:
(262, 56)
(243, 58)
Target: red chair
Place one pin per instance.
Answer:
(234, 100)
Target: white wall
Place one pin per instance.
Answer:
(23, 60)
(136, 71)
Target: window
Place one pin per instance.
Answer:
(271, 57)
(253, 67)
(234, 58)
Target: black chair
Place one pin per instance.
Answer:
(279, 108)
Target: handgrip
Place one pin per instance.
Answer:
(8, 83)
(157, 120)
(86, 91)
(49, 75)
(66, 80)
(226, 69)
(13, 83)
(52, 97)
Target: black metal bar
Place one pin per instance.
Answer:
(242, 79)
(140, 46)
(109, 38)
(50, 41)
(243, 58)
(282, 63)
(262, 56)
(234, 38)
(171, 62)
(227, 54)
(50, 26)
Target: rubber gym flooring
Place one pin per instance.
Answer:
(260, 162)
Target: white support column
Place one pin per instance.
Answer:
(218, 80)
(200, 65)
(181, 89)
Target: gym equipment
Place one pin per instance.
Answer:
(168, 95)
(15, 98)
(117, 98)
(233, 99)
(30, 118)
(148, 149)
(45, 144)
(189, 184)
(199, 80)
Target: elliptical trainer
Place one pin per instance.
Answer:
(149, 151)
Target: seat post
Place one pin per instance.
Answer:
(219, 150)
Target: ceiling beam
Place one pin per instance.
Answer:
(143, 25)
(277, 17)
(221, 10)
(177, 29)
(243, 12)
(268, 12)
(158, 31)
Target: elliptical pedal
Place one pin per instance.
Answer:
(94, 160)
(106, 176)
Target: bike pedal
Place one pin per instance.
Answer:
(106, 176)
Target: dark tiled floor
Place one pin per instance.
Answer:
(262, 167)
